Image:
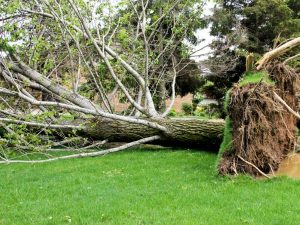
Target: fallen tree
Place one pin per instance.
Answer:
(134, 77)
(180, 132)
(188, 132)
(41, 78)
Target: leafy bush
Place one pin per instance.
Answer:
(172, 113)
(200, 112)
(187, 108)
(207, 112)
(197, 98)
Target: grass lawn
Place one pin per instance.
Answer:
(142, 187)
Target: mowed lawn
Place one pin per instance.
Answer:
(142, 187)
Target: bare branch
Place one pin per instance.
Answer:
(87, 154)
(291, 58)
(35, 124)
(277, 52)
(277, 97)
(173, 92)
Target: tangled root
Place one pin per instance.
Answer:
(263, 131)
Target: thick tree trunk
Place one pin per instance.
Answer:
(187, 132)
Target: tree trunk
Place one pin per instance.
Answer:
(186, 132)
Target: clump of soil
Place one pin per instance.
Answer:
(263, 131)
(290, 166)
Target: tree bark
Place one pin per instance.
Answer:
(277, 52)
(181, 132)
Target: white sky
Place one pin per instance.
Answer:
(204, 34)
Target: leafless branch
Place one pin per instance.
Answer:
(87, 154)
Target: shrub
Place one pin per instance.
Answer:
(197, 98)
(200, 112)
(172, 113)
(187, 108)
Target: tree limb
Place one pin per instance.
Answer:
(87, 154)
(36, 124)
(277, 52)
(277, 97)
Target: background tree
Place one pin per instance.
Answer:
(167, 43)
(243, 27)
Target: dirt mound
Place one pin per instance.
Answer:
(263, 132)
(290, 166)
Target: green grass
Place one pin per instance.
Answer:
(226, 144)
(142, 187)
(254, 78)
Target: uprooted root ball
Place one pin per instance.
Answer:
(263, 132)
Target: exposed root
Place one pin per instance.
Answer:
(264, 129)
(277, 97)
(249, 163)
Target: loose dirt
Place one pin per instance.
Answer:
(290, 166)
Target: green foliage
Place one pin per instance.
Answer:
(87, 89)
(5, 46)
(165, 38)
(67, 117)
(264, 20)
(172, 113)
(226, 145)
(128, 187)
(44, 45)
(279, 19)
(187, 108)
(123, 37)
(197, 98)
(200, 111)
(207, 87)
(19, 138)
(208, 83)
(207, 112)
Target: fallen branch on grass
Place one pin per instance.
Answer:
(87, 154)
(90, 147)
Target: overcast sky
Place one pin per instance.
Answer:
(204, 34)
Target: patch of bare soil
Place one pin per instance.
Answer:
(290, 166)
